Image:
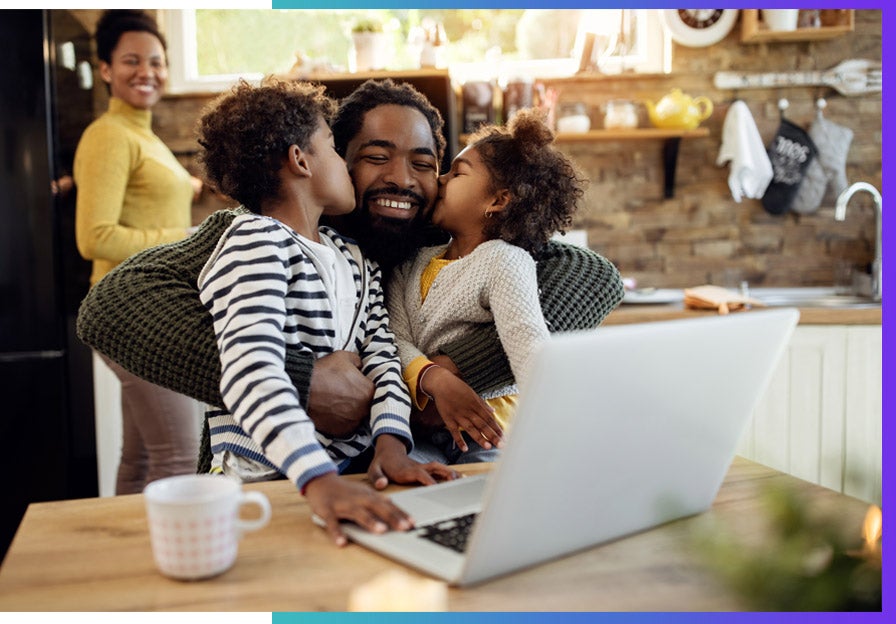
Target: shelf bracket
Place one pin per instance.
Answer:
(670, 160)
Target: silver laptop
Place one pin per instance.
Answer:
(621, 429)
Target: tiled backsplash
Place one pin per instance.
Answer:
(701, 234)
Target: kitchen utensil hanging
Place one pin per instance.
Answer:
(850, 77)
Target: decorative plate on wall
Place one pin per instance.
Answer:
(697, 28)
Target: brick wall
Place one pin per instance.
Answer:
(701, 234)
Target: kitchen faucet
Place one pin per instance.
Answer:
(840, 215)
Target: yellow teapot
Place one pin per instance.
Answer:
(679, 111)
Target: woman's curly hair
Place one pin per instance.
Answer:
(544, 184)
(113, 23)
(245, 133)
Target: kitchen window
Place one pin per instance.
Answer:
(209, 49)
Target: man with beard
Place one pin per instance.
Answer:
(146, 314)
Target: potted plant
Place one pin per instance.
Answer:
(369, 46)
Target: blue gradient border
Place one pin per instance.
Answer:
(889, 234)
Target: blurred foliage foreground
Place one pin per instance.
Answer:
(807, 561)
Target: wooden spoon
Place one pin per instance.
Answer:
(850, 77)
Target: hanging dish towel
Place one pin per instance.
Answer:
(751, 169)
(791, 152)
(827, 172)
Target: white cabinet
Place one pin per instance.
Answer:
(820, 418)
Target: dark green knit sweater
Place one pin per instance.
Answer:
(146, 315)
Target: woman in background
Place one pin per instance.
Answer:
(133, 194)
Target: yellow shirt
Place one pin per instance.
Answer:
(132, 191)
(504, 406)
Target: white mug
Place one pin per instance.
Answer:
(195, 524)
(781, 19)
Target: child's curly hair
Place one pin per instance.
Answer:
(244, 134)
(544, 184)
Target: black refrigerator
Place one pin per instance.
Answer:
(47, 431)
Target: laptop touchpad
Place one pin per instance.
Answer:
(443, 500)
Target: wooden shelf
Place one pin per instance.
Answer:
(670, 138)
(835, 23)
(633, 134)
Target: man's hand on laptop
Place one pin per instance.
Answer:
(333, 498)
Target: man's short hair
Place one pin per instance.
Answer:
(372, 93)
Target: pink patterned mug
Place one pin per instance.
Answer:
(195, 524)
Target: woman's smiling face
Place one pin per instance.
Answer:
(138, 71)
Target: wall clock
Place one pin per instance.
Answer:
(697, 28)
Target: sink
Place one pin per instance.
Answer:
(811, 298)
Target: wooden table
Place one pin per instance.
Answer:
(94, 555)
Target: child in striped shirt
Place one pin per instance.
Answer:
(277, 278)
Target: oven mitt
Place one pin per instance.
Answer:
(790, 151)
(811, 191)
(827, 172)
(832, 141)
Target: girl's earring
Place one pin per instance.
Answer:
(488, 214)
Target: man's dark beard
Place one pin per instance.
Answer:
(389, 241)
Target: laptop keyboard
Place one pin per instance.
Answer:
(452, 533)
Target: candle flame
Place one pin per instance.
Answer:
(871, 529)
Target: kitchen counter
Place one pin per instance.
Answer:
(645, 313)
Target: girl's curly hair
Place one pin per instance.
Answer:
(544, 184)
(244, 134)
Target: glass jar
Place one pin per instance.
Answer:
(573, 117)
(518, 94)
(620, 114)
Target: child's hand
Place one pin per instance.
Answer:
(333, 499)
(462, 409)
(391, 462)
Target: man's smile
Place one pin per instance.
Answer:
(393, 203)
(384, 202)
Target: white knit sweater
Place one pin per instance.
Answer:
(496, 282)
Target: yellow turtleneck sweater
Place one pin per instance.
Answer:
(132, 192)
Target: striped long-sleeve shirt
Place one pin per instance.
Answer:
(267, 287)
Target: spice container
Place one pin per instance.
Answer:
(620, 114)
(573, 117)
(478, 99)
(517, 95)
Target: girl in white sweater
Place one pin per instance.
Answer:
(506, 194)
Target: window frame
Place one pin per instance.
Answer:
(179, 26)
